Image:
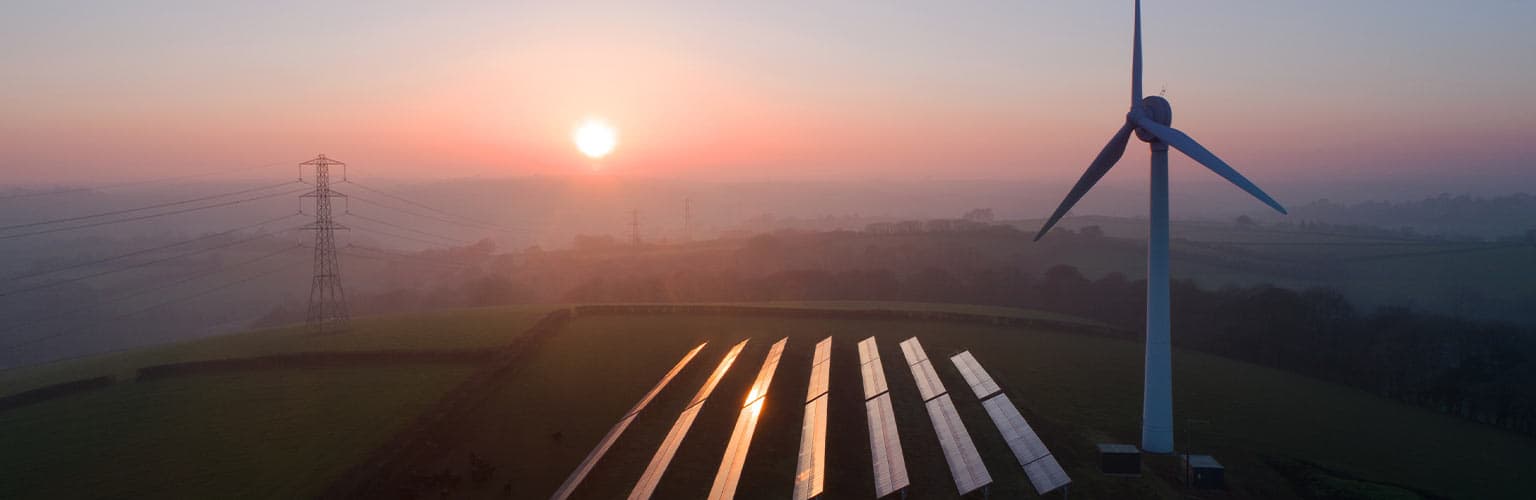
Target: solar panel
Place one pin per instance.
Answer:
(1026, 445)
(885, 447)
(913, 351)
(765, 375)
(665, 379)
(809, 472)
(928, 383)
(959, 451)
(735, 457)
(874, 378)
(981, 383)
(714, 378)
(820, 369)
(574, 480)
(823, 351)
(1046, 474)
(663, 457)
(741, 437)
(868, 351)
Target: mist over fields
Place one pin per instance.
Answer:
(543, 238)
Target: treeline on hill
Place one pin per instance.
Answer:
(1477, 370)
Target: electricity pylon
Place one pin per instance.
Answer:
(327, 301)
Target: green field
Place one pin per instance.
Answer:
(456, 329)
(288, 433)
(278, 434)
(1076, 390)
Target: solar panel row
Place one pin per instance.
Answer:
(890, 467)
(981, 383)
(811, 466)
(965, 464)
(658, 465)
(1042, 469)
(913, 350)
(735, 457)
(885, 446)
(960, 452)
(820, 369)
(574, 480)
(870, 369)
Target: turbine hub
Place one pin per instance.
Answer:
(1158, 109)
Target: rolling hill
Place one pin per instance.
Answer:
(371, 426)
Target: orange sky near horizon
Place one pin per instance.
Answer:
(763, 92)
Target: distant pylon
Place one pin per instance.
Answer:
(687, 219)
(634, 227)
(327, 301)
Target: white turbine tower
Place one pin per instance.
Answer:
(1149, 117)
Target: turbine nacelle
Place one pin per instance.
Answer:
(1155, 108)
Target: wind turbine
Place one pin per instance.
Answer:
(1149, 118)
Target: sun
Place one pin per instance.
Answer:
(595, 138)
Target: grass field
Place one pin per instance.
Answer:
(455, 329)
(276, 434)
(1076, 390)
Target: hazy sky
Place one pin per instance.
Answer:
(1290, 91)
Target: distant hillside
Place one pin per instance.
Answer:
(1445, 214)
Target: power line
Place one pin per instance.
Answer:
(485, 224)
(132, 293)
(146, 263)
(433, 217)
(199, 294)
(118, 257)
(435, 244)
(151, 216)
(397, 226)
(133, 183)
(396, 256)
(141, 209)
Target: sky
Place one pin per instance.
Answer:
(1436, 93)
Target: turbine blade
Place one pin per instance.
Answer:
(1136, 60)
(1197, 152)
(1096, 170)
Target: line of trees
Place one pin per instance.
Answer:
(1478, 370)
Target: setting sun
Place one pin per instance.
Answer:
(595, 138)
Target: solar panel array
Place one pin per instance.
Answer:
(1042, 469)
(574, 480)
(810, 469)
(890, 473)
(726, 478)
(890, 467)
(658, 466)
(965, 464)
